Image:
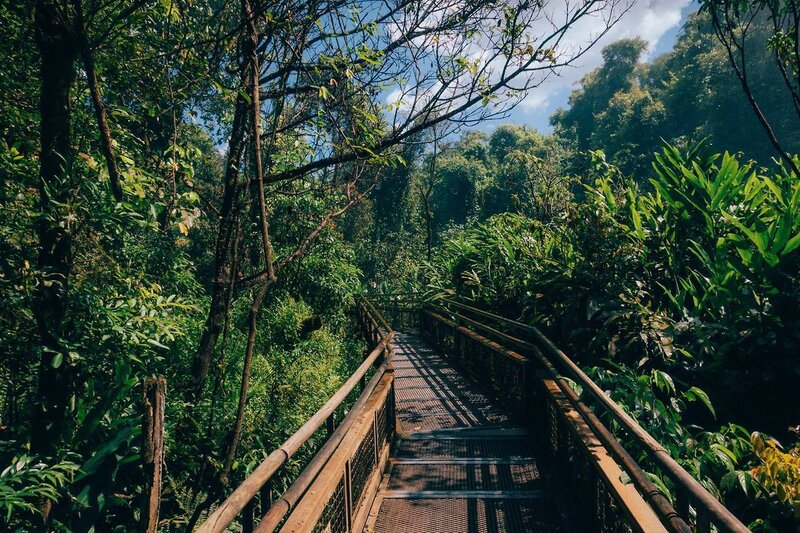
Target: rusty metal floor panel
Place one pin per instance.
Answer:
(456, 515)
(459, 463)
(443, 476)
(419, 415)
(463, 449)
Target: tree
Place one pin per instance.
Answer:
(630, 128)
(319, 69)
(689, 93)
(737, 26)
(59, 51)
(454, 197)
(618, 73)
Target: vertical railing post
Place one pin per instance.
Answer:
(348, 493)
(391, 409)
(330, 424)
(376, 437)
(248, 516)
(599, 519)
(266, 497)
(682, 505)
(155, 393)
(524, 393)
(703, 523)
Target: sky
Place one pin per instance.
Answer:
(656, 21)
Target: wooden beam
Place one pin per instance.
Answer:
(155, 394)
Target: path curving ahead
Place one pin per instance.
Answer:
(459, 464)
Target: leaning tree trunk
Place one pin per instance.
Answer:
(97, 102)
(252, 50)
(59, 51)
(226, 240)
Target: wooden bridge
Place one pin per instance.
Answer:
(467, 422)
(460, 462)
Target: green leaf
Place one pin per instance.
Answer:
(774, 188)
(324, 93)
(791, 245)
(636, 216)
(57, 360)
(700, 393)
(157, 344)
(755, 238)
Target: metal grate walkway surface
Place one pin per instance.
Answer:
(459, 463)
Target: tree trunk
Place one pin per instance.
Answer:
(428, 224)
(58, 53)
(427, 199)
(58, 50)
(97, 102)
(252, 321)
(226, 240)
(252, 51)
(255, 96)
(155, 394)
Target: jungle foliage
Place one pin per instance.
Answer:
(180, 187)
(626, 107)
(199, 190)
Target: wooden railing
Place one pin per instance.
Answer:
(529, 374)
(334, 486)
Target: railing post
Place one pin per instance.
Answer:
(390, 420)
(266, 497)
(703, 523)
(248, 516)
(348, 494)
(524, 406)
(330, 424)
(155, 392)
(375, 437)
(682, 505)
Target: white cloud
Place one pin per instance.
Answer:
(394, 96)
(537, 99)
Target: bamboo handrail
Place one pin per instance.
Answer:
(287, 502)
(657, 500)
(241, 496)
(718, 513)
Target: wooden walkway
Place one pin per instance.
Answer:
(459, 464)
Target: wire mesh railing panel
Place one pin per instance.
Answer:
(400, 311)
(610, 515)
(592, 505)
(360, 456)
(383, 424)
(362, 465)
(334, 517)
(488, 365)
